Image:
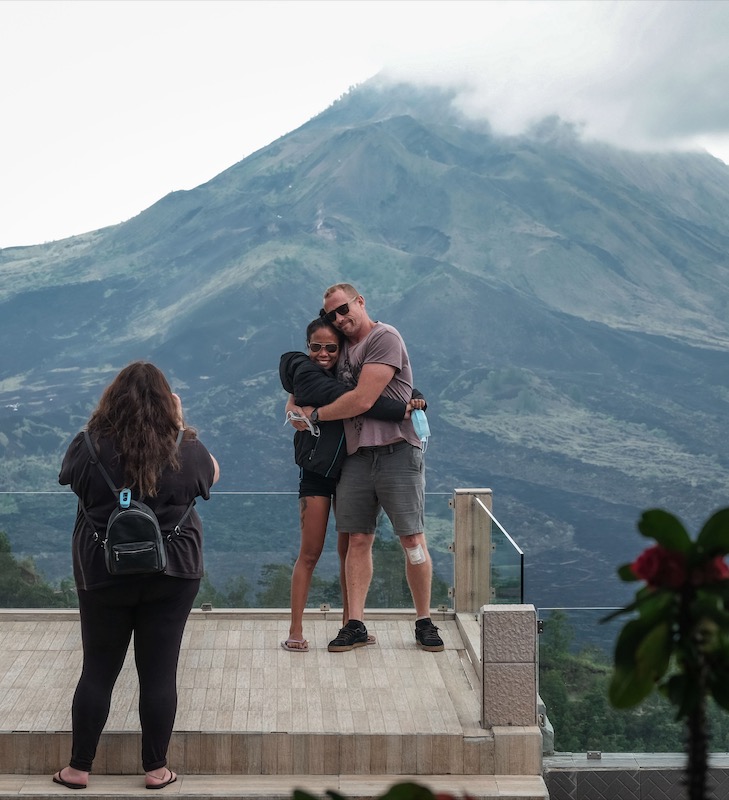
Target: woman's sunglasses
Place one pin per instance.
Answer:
(343, 310)
(315, 347)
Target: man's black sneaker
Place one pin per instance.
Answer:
(426, 635)
(353, 634)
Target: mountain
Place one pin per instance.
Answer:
(565, 304)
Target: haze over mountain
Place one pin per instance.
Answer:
(565, 305)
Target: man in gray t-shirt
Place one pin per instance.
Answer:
(382, 345)
(384, 466)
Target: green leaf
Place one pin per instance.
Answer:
(654, 653)
(627, 688)
(650, 603)
(627, 610)
(666, 529)
(629, 640)
(655, 604)
(625, 573)
(714, 536)
(626, 644)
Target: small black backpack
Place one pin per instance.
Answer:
(134, 543)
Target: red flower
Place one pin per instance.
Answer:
(715, 570)
(661, 568)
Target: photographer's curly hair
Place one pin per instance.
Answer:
(138, 413)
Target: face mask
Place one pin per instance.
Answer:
(420, 423)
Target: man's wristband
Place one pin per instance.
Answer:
(314, 417)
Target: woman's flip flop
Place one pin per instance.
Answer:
(290, 645)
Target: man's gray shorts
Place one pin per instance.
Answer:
(391, 477)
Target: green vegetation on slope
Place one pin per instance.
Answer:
(573, 683)
(22, 586)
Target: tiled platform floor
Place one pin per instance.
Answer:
(255, 720)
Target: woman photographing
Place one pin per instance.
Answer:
(135, 435)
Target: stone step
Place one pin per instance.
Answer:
(279, 787)
(254, 754)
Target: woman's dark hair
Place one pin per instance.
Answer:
(139, 414)
(318, 324)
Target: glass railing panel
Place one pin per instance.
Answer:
(506, 561)
(389, 586)
(507, 567)
(35, 549)
(575, 664)
(251, 541)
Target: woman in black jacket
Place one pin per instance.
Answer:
(134, 433)
(311, 381)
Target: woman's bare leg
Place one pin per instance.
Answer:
(313, 515)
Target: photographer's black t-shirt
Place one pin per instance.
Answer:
(176, 490)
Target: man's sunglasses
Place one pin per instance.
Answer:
(315, 347)
(343, 310)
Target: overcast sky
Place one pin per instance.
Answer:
(108, 105)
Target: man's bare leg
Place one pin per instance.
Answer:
(419, 571)
(342, 547)
(358, 570)
(419, 576)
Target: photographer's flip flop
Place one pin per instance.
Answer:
(57, 778)
(172, 778)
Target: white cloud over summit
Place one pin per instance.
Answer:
(647, 75)
(108, 105)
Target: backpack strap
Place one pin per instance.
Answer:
(95, 460)
(114, 490)
(88, 519)
(178, 528)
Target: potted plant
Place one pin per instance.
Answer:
(678, 639)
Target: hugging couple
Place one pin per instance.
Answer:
(353, 390)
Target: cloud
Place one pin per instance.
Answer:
(646, 75)
(110, 104)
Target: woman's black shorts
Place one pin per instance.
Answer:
(312, 484)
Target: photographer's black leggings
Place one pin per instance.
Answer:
(155, 610)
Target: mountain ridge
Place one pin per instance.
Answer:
(564, 304)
